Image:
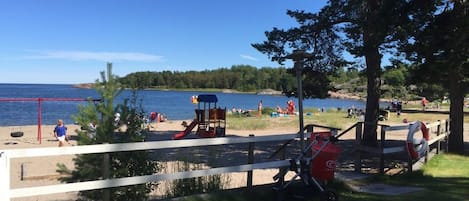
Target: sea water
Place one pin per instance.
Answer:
(176, 105)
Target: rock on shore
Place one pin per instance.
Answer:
(84, 85)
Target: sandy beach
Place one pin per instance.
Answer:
(41, 171)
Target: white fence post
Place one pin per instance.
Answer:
(5, 177)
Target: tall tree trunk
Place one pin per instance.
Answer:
(373, 70)
(372, 99)
(456, 140)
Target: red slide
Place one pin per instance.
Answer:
(188, 130)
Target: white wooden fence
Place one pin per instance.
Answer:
(6, 193)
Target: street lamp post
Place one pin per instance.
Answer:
(298, 57)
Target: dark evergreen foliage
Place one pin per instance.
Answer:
(242, 78)
(365, 29)
(440, 47)
(120, 164)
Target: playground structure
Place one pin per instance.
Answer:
(210, 120)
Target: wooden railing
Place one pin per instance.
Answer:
(439, 128)
(6, 155)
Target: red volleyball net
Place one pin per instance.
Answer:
(39, 102)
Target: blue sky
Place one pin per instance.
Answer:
(60, 41)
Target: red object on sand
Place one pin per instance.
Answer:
(188, 130)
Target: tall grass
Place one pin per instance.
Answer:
(197, 185)
(191, 186)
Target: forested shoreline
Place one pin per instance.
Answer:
(269, 80)
(346, 83)
(240, 78)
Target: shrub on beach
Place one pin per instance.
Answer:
(117, 164)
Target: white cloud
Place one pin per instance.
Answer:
(248, 57)
(98, 56)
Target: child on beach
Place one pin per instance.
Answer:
(60, 132)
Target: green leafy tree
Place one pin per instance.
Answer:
(441, 47)
(366, 29)
(122, 164)
(395, 76)
(396, 81)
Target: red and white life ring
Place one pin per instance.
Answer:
(417, 147)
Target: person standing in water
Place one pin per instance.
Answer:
(60, 132)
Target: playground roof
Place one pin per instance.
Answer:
(207, 98)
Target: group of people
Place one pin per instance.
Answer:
(240, 112)
(290, 109)
(353, 112)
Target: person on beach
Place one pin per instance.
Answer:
(280, 110)
(424, 103)
(60, 132)
(259, 109)
(92, 130)
(291, 107)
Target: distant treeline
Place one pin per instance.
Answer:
(242, 78)
(245, 78)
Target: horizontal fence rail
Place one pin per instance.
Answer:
(6, 155)
(127, 181)
(440, 127)
(137, 146)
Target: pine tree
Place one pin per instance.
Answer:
(129, 129)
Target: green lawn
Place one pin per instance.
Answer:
(445, 177)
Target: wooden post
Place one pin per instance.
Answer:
(282, 157)
(23, 171)
(106, 167)
(381, 154)
(446, 133)
(410, 162)
(358, 139)
(427, 148)
(250, 161)
(438, 132)
(39, 119)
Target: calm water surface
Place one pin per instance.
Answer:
(175, 104)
